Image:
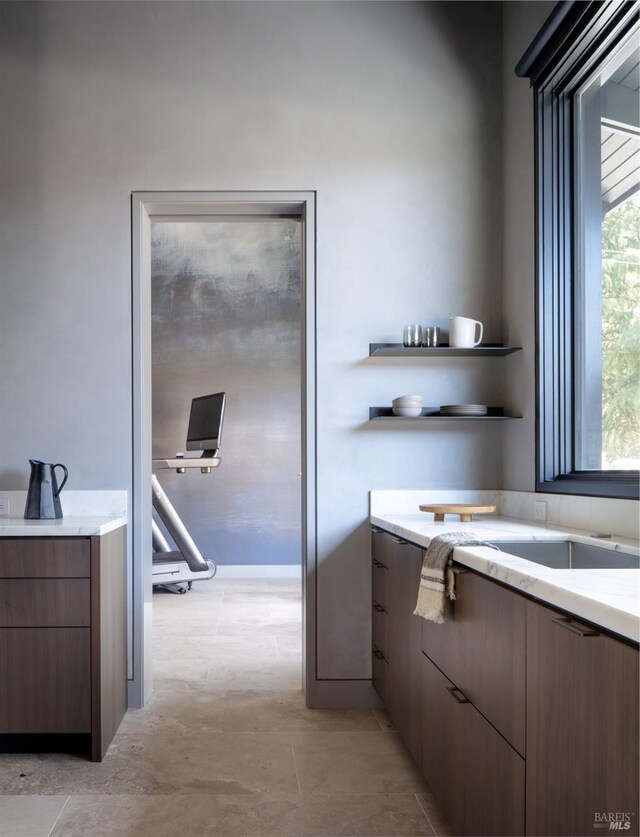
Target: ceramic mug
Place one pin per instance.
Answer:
(462, 332)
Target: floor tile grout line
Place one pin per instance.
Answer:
(51, 830)
(295, 764)
(422, 808)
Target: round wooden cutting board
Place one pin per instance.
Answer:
(465, 510)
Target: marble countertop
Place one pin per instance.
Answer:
(607, 597)
(68, 526)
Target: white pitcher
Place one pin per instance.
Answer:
(462, 332)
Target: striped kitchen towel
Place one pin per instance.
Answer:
(437, 580)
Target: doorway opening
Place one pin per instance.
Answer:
(224, 301)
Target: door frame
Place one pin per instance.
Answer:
(145, 208)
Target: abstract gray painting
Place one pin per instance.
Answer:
(226, 303)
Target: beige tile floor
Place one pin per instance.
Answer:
(226, 745)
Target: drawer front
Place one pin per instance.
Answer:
(380, 669)
(44, 602)
(477, 778)
(44, 558)
(582, 756)
(380, 629)
(45, 680)
(379, 575)
(481, 647)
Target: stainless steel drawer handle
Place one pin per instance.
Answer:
(457, 695)
(579, 630)
(378, 607)
(458, 571)
(378, 654)
(400, 541)
(378, 564)
(376, 531)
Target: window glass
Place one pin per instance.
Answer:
(607, 266)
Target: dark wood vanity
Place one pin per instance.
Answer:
(63, 642)
(523, 719)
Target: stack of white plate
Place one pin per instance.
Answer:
(463, 410)
(409, 406)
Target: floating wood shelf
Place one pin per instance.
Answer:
(433, 413)
(398, 350)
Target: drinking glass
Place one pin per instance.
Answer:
(431, 336)
(412, 336)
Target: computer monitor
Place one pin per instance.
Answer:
(205, 423)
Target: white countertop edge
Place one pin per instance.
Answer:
(67, 527)
(608, 598)
(420, 528)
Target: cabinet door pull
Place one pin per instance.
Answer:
(579, 630)
(376, 531)
(378, 607)
(378, 564)
(377, 654)
(457, 695)
(400, 541)
(458, 571)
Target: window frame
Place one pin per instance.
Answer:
(576, 38)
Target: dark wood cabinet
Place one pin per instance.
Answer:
(63, 645)
(582, 726)
(475, 774)
(397, 635)
(379, 603)
(405, 645)
(527, 720)
(482, 647)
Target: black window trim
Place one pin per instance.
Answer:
(573, 41)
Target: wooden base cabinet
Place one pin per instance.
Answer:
(380, 614)
(405, 645)
(397, 635)
(582, 727)
(506, 679)
(476, 776)
(63, 640)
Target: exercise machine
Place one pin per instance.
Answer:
(177, 569)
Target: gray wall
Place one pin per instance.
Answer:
(521, 22)
(226, 317)
(391, 111)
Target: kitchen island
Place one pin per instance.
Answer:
(63, 633)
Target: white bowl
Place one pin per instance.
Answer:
(408, 398)
(408, 403)
(407, 412)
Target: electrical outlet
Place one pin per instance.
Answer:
(5, 507)
(540, 511)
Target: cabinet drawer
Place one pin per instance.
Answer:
(44, 558)
(582, 756)
(476, 776)
(481, 647)
(44, 602)
(380, 629)
(45, 680)
(379, 575)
